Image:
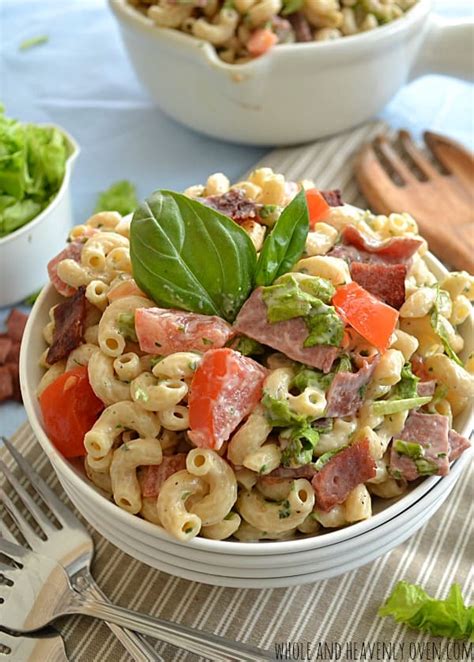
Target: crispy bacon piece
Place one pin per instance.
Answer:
(69, 318)
(384, 281)
(306, 471)
(333, 198)
(6, 344)
(234, 204)
(342, 473)
(301, 27)
(398, 250)
(16, 322)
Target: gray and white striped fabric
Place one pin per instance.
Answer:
(329, 620)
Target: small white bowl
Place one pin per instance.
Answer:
(24, 254)
(296, 92)
(229, 563)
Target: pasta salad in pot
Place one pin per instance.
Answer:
(256, 361)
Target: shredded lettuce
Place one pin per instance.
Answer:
(439, 327)
(295, 295)
(32, 166)
(410, 448)
(313, 377)
(407, 386)
(279, 413)
(120, 197)
(247, 346)
(385, 407)
(126, 326)
(301, 443)
(410, 604)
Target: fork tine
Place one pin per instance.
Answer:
(6, 533)
(385, 147)
(62, 513)
(28, 502)
(367, 168)
(14, 551)
(416, 155)
(26, 530)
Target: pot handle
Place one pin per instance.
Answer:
(448, 49)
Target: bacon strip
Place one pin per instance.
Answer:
(69, 318)
(234, 204)
(72, 252)
(398, 250)
(333, 198)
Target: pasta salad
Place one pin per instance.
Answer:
(244, 29)
(256, 361)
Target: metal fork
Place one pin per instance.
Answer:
(37, 591)
(31, 649)
(71, 545)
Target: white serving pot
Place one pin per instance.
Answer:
(296, 92)
(25, 253)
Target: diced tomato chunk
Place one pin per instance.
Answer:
(225, 388)
(318, 208)
(70, 408)
(261, 41)
(163, 331)
(374, 320)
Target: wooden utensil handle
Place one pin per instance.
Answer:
(454, 244)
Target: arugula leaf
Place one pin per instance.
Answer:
(285, 244)
(409, 448)
(439, 328)
(186, 255)
(410, 604)
(279, 413)
(120, 197)
(385, 407)
(301, 443)
(407, 386)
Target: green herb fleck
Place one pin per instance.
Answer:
(26, 44)
(285, 510)
(126, 326)
(206, 341)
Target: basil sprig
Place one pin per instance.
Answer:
(186, 255)
(285, 244)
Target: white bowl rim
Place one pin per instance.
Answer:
(126, 12)
(60, 464)
(75, 151)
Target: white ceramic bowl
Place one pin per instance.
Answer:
(24, 254)
(227, 563)
(296, 92)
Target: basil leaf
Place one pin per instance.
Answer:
(439, 328)
(189, 256)
(285, 244)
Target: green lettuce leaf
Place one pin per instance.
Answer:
(301, 443)
(279, 413)
(325, 457)
(386, 407)
(186, 255)
(410, 448)
(126, 326)
(285, 244)
(439, 328)
(120, 197)
(410, 604)
(246, 346)
(32, 167)
(407, 386)
(33, 41)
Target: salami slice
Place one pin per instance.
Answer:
(384, 281)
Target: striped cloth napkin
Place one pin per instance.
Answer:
(335, 619)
